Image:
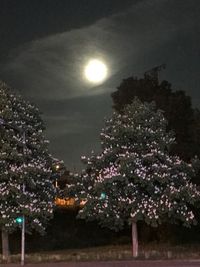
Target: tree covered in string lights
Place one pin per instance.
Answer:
(134, 178)
(25, 166)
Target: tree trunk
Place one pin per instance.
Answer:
(5, 246)
(134, 240)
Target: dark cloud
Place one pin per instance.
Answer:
(49, 70)
(24, 21)
(74, 125)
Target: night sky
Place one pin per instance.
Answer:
(44, 46)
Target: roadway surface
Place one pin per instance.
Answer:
(138, 263)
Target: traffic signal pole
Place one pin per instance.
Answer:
(23, 221)
(23, 242)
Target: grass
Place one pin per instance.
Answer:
(122, 252)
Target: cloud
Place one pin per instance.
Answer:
(73, 125)
(49, 71)
(52, 67)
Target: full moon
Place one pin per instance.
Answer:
(95, 71)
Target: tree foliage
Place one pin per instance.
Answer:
(134, 178)
(25, 164)
(182, 118)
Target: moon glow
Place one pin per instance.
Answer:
(95, 71)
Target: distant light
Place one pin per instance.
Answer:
(2, 122)
(103, 195)
(57, 167)
(19, 220)
(95, 71)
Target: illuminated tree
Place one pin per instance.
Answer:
(134, 178)
(25, 167)
(177, 107)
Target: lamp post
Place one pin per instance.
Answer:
(22, 219)
(57, 168)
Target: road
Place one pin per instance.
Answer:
(113, 264)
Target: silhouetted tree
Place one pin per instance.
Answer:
(182, 118)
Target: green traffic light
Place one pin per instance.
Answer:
(103, 195)
(19, 220)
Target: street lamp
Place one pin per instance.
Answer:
(19, 220)
(57, 168)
